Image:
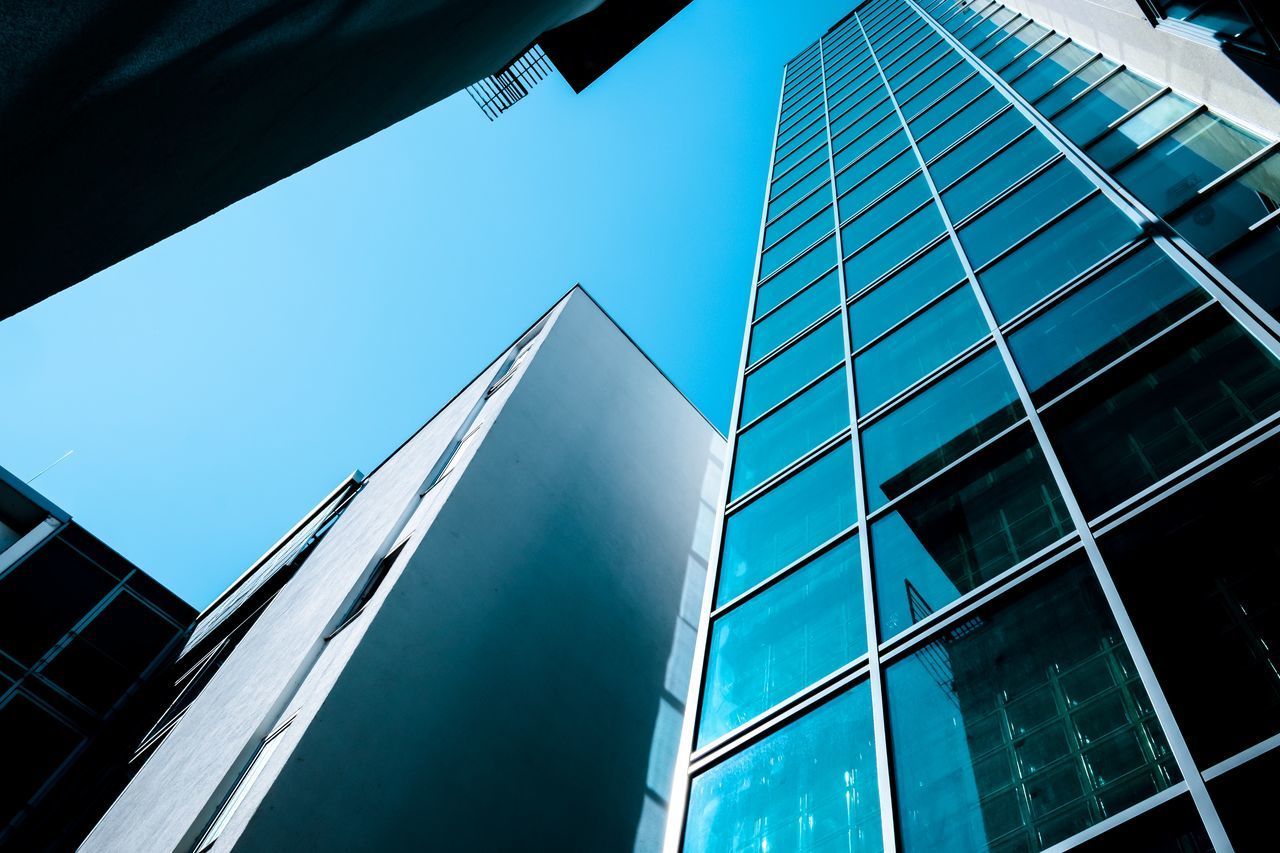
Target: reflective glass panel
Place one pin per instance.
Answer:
(1055, 256)
(871, 188)
(790, 432)
(1139, 129)
(787, 522)
(797, 241)
(1252, 265)
(780, 641)
(796, 215)
(1041, 76)
(986, 515)
(1024, 725)
(890, 209)
(881, 155)
(786, 322)
(1074, 86)
(909, 288)
(937, 427)
(1004, 52)
(1023, 211)
(1228, 212)
(791, 369)
(1090, 115)
(1153, 413)
(968, 154)
(948, 106)
(1121, 309)
(772, 293)
(807, 788)
(869, 264)
(960, 124)
(996, 175)
(925, 343)
(810, 182)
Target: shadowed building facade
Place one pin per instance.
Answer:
(505, 604)
(995, 568)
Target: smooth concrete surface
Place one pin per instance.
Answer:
(504, 688)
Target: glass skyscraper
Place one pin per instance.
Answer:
(997, 568)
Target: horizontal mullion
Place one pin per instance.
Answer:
(953, 114)
(784, 237)
(1005, 146)
(1032, 46)
(899, 267)
(1017, 185)
(1178, 122)
(950, 54)
(1008, 34)
(965, 355)
(795, 204)
(884, 195)
(1022, 241)
(962, 140)
(851, 252)
(1083, 93)
(775, 309)
(896, 129)
(771, 276)
(973, 72)
(775, 479)
(793, 395)
(773, 353)
(913, 314)
(1225, 178)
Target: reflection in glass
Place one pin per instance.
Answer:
(1227, 213)
(979, 519)
(937, 427)
(909, 288)
(871, 188)
(1005, 169)
(790, 432)
(968, 154)
(798, 314)
(797, 241)
(1091, 114)
(787, 522)
(789, 636)
(906, 198)
(872, 262)
(1153, 413)
(1021, 212)
(1121, 309)
(775, 291)
(1022, 726)
(791, 369)
(808, 788)
(1252, 265)
(925, 343)
(1139, 129)
(954, 128)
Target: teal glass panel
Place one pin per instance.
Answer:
(790, 432)
(948, 106)
(797, 241)
(1121, 309)
(1055, 256)
(998, 174)
(960, 124)
(816, 137)
(869, 140)
(1166, 406)
(797, 215)
(1228, 212)
(994, 726)
(1252, 265)
(998, 55)
(783, 182)
(855, 101)
(938, 85)
(884, 213)
(791, 280)
(920, 63)
(881, 155)
(845, 93)
(1020, 213)
(925, 343)
(872, 262)
(1091, 113)
(787, 522)
(796, 315)
(1074, 86)
(856, 122)
(1041, 77)
(783, 639)
(791, 369)
(801, 188)
(801, 139)
(1174, 168)
(909, 288)
(951, 69)
(807, 788)
(937, 427)
(1051, 43)
(871, 188)
(968, 154)
(1139, 129)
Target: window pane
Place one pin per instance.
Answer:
(1152, 414)
(913, 351)
(795, 216)
(790, 432)
(1022, 212)
(799, 240)
(1023, 62)
(1055, 256)
(1246, 800)
(814, 138)
(784, 182)
(986, 516)
(1141, 128)
(937, 427)
(1214, 635)
(1252, 266)
(882, 154)
(868, 190)
(919, 95)
(1061, 96)
(45, 596)
(887, 128)
(997, 175)
(1041, 78)
(890, 209)
(802, 187)
(1090, 115)
(1104, 320)
(978, 147)
(1057, 735)
(791, 369)
(35, 745)
(1171, 170)
(884, 254)
(808, 787)
(1228, 213)
(848, 128)
(787, 522)
(963, 122)
(908, 289)
(1004, 52)
(780, 326)
(792, 634)
(775, 291)
(948, 106)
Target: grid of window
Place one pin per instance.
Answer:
(976, 369)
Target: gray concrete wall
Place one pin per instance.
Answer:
(1203, 72)
(503, 688)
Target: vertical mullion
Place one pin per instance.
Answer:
(678, 801)
(884, 776)
(1146, 673)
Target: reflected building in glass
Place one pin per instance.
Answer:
(996, 568)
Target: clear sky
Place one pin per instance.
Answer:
(215, 386)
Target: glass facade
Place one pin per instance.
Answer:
(994, 569)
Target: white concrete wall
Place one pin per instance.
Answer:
(502, 689)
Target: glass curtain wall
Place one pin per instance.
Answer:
(1013, 308)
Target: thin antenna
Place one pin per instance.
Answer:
(50, 465)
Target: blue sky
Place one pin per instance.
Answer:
(218, 384)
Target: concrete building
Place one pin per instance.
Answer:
(122, 122)
(482, 645)
(84, 637)
(997, 567)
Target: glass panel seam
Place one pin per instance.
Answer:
(775, 309)
(786, 571)
(899, 267)
(995, 200)
(967, 354)
(793, 395)
(1163, 134)
(773, 353)
(781, 476)
(913, 314)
